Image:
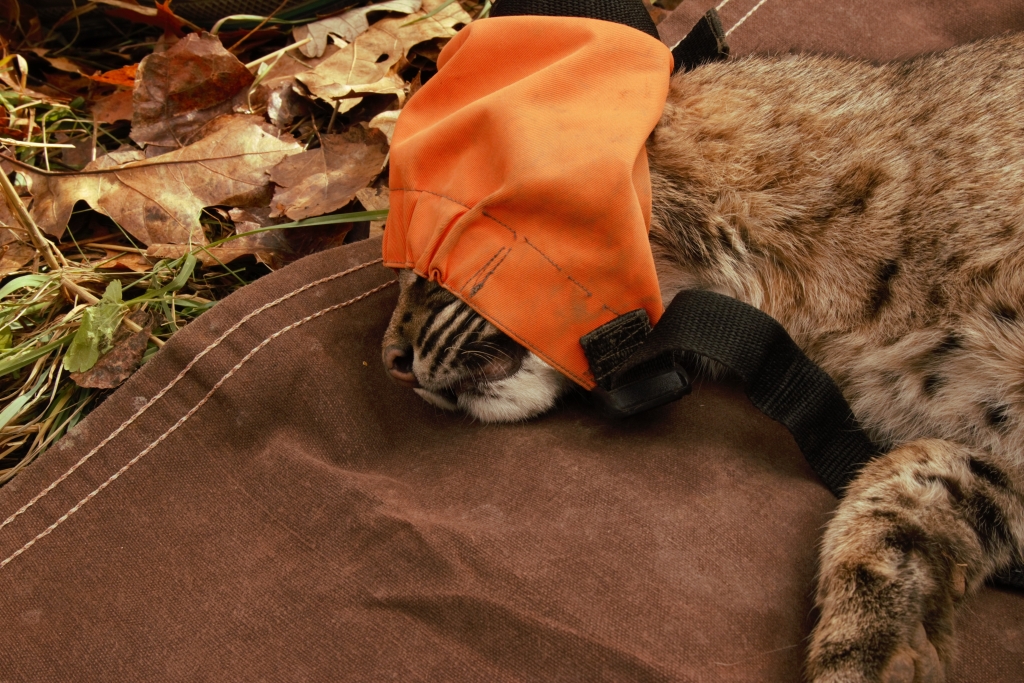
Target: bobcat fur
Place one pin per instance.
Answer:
(877, 212)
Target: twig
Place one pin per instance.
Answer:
(116, 247)
(334, 115)
(95, 135)
(90, 240)
(18, 209)
(26, 143)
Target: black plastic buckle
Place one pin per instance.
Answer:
(645, 393)
(625, 384)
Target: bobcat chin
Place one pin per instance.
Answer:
(877, 212)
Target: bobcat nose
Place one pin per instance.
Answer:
(398, 362)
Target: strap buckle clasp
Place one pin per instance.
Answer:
(644, 393)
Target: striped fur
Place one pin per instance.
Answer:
(463, 362)
(878, 213)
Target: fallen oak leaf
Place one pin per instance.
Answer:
(159, 200)
(119, 260)
(293, 240)
(79, 154)
(117, 106)
(178, 91)
(278, 92)
(14, 255)
(347, 26)
(375, 199)
(209, 256)
(371, 56)
(270, 247)
(322, 180)
(385, 122)
(7, 219)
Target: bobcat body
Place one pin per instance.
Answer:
(877, 212)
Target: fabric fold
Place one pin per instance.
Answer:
(519, 177)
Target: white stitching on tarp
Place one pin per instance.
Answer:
(744, 17)
(718, 8)
(186, 416)
(216, 342)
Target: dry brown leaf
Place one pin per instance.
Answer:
(159, 200)
(118, 364)
(207, 257)
(178, 91)
(14, 255)
(368, 60)
(278, 248)
(271, 247)
(375, 199)
(322, 180)
(119, 260)
(278, 92)
(62, 63)
(385, 122)
(347, 26)
(115, 107)
(7, 219)
(122, 78)
(213, 256)
(77, 156)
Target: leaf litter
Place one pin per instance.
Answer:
(156, 161)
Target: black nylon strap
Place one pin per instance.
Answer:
(781, 381)
(705, 43)
(629, 12)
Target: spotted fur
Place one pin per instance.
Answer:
(877, 212)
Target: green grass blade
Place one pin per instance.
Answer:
(20, 360)
(23, 281)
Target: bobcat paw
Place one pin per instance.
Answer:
(916, 661)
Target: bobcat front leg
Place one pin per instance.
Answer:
(918, 529)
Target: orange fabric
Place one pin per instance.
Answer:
(519, 178)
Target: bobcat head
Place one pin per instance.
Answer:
(456, 360)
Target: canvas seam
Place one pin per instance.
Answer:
(744, 17)
(175, 381)
(184, 418)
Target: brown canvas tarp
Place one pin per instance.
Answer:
(260, 502)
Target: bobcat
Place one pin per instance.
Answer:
(877, 212)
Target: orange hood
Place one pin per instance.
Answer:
(519, 178)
